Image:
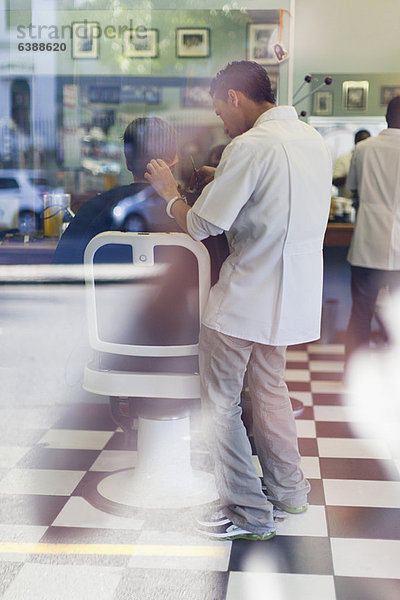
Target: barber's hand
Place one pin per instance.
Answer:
(201, 177)
(161, 179)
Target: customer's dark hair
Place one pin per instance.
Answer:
(393, 112)
(244, 76)
(146, 138)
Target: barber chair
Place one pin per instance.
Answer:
(143, 375)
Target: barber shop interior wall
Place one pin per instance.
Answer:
(380, 86)
(227, 25)
(347, 37)
(226, 22)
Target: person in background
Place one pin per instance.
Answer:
(342, 165)
(144, 138)
(271, 194)
(374, 253)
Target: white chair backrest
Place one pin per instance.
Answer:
(142, 245)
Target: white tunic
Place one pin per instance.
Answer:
(271, 194)
(375, 173)
(342, 165)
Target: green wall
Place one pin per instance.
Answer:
(228, 42)
(348, 40)
(376, 82)
(344, 39)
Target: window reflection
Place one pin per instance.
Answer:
(71, 80)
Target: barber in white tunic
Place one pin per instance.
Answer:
(374, 252)
(271, 195)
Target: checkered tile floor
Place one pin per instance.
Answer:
(55, 545)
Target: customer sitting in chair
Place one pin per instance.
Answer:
(144, 138)
(166, 315)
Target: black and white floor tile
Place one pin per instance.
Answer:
(54, 544)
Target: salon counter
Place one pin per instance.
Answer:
(40, 250)
(33, 252)
(338, 234)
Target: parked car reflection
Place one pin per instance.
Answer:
(143, 211)
(21, 198)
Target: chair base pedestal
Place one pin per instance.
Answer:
(163, 477)
(134, 489)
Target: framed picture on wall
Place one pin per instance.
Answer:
(388, 92)
(280, 52)
(260, 40)
(196, 97)
(140, 43)
(151, 94)
(322, 104)
(148, 94)
(355, 95)
(193, 43)
(85, 40)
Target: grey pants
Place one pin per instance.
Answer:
(223, 361)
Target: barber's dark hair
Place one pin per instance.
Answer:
(244, 76)
(393, 112)
(146, 138)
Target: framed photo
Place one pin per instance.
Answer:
(355, 95)
(260, 40)
(280, 52)
(196, 97)
(322, 103)
(103, 94)
(151, 94)
(148, 94)
(70, 95)
(193, 43)
(140, 43)
(388, 92)
(85, 39)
